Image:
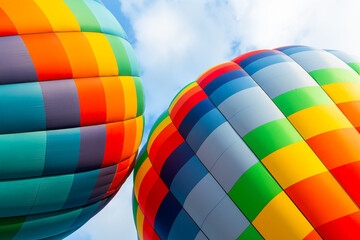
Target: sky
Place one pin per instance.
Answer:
(177, 40)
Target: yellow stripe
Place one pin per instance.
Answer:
(103, 53)
(343, 92)
(129, 96)
(140, 176)
(281, 219)
(59, 15)
(185, 90)
(157, 131)
(139, 132)
(293, 163)
(319, 119)
(140, 222)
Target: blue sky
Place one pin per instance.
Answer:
(176, 40)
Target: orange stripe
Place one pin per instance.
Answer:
(6, 27)
(344, 228)
(130, 137)
(321, 199)
(336, 148)
(352, 111)
(80, 54)
(313, 235)
(92, 101)
(48, 56)
(115, 100)
(27, 18)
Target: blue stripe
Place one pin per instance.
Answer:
(194, 115)
(222, 79)
(177, 159)
(166, 215)
(295, 49)
(204, 127)
(183, 227)
(187, 178)
(266, 61)
(256, 57)
(230, 88)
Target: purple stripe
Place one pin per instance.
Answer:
(16, 65)
(61, 102)
(92, 147)
(105, 178)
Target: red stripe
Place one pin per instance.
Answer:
(246, 55)
(164, 144)
(146, 186)
(349, 178)
(185, 104)
(154, 200)
(114, 143)
(215, 72)
(343, 228)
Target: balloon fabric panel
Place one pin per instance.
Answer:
(271, 133)
(71, 102)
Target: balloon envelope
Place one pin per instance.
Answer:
(265, 146)
(71, 105)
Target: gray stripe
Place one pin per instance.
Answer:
(203, 198)
(92, 147)
(200, 236)
(232, 164)
(61, 103)
(282, 77)
(216, 144)
(16, 65)
(318, 59)
(225, 222)
(253, 109)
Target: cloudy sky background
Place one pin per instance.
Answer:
(176, 40)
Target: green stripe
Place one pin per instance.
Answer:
(139, 96)
(250, 234)
(140, 162)
(156, 124)
(179, 93)
(10, 226)
(301, 98)
(254, 190)
(121, 55)
(84, 16)
(135, 208)
(355, 66)
(271, 136)
(334, 75)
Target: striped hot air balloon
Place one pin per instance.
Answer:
(71, 105)
(266, 146)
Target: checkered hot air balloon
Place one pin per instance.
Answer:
(71, 105)
(266, 146)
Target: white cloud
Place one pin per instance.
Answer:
(179, 40)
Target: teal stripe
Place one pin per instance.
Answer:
(107, 21)
(135, 67)
(22, 155)
(85, 17)
(42, 195)
(22, 108)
